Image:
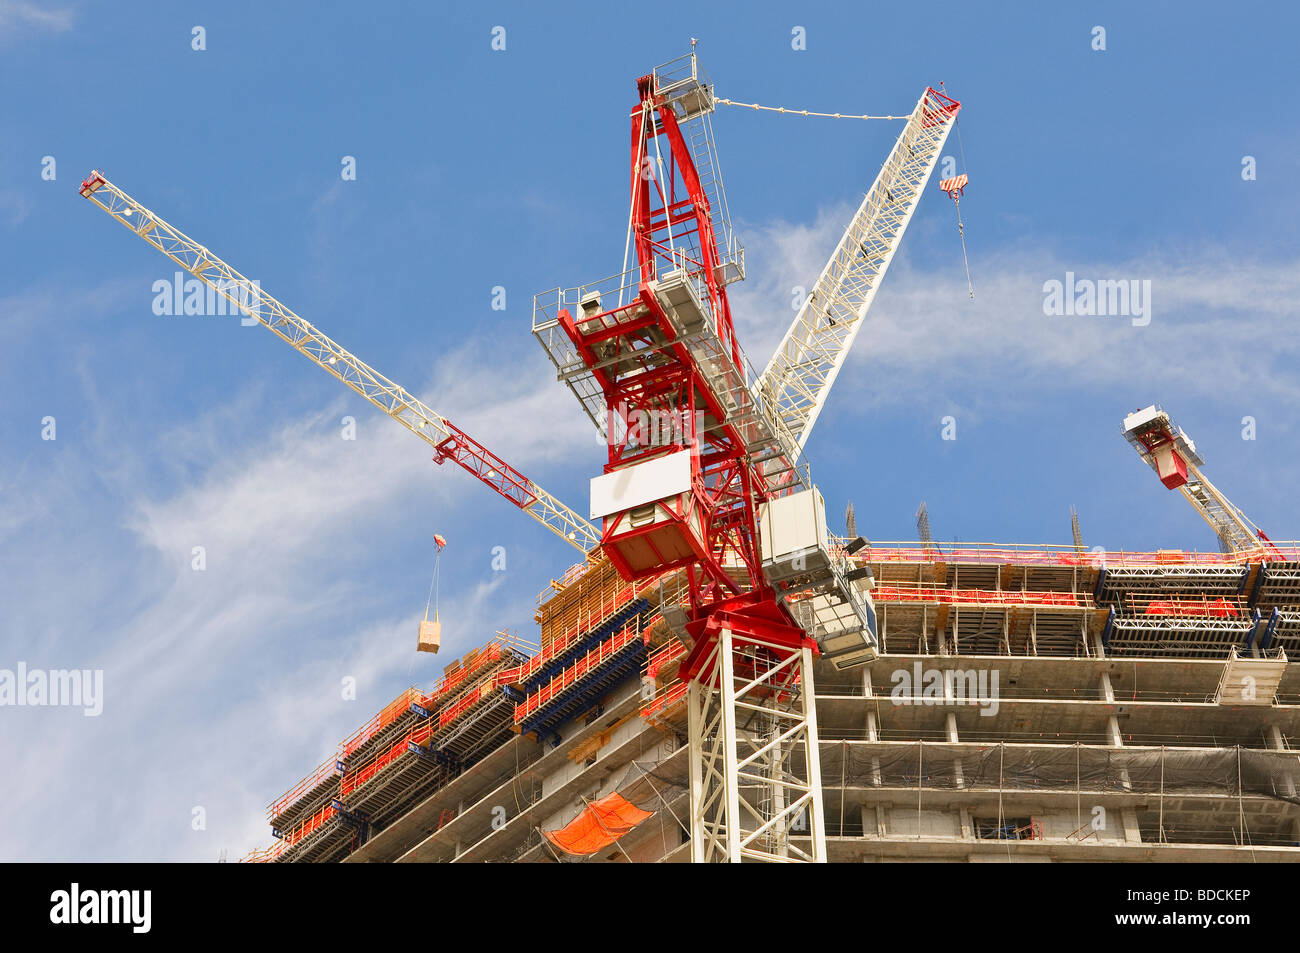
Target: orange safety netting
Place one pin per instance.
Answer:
(600, 824)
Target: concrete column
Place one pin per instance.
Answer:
(1277, 742)
(959, 777)
(873, 728)
(1132, 833)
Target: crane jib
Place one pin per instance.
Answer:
(393, 400)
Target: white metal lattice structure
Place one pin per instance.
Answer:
(756, 792)
(395, 401)
(803, 369)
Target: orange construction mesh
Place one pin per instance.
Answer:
(600, 824)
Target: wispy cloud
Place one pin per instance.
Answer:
(223, 685)
(18, 15)
(1221, 322)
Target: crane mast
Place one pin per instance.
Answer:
(1164, 446)
(799, 377)
(448, 440)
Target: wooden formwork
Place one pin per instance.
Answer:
(587, 594)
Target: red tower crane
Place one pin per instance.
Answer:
(728, 498)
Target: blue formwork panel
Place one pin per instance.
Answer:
(586, 643)
(580, 696)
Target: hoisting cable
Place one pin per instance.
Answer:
(431, 633)
(800, 112)
(955, 187)
(961, 233)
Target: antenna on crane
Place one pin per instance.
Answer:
(431, 632)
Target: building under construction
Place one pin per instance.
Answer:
(1027, 704)
(722, 678)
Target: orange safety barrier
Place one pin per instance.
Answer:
(576, 671)
(490, 653)
(1067, 555)
(391, 712)
(891, 593)
(315, 822)
(665, 703)
(663, 657)
(263, 855)
(471, 699)
(355, 779)
(600, 824)
(318, 776)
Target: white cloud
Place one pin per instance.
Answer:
(1221, 322)
(18, 14)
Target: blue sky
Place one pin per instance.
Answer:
(479, 168)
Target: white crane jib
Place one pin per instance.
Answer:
(801, 372)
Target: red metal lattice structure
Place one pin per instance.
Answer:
(639, 359)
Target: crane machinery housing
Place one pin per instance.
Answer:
(706, 670)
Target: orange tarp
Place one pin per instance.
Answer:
(600, 824)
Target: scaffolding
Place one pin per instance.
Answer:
(1065, 619)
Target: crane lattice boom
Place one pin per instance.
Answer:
(449, 442)
(803, 369)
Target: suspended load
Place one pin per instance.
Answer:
(431, 632)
